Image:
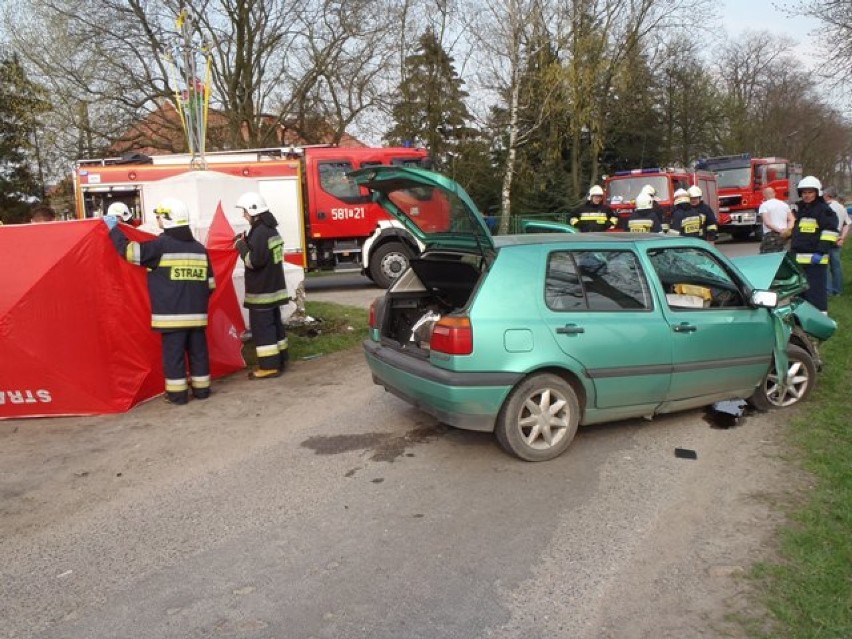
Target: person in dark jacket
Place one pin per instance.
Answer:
(262, 252)
(814, 234)
(709, 226)
(180, 281)
(686, 221)
(644, 218)
(593, 215)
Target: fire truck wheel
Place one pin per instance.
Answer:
(389, 262)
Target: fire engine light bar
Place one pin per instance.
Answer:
(639, 171)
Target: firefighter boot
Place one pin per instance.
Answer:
(264, 373)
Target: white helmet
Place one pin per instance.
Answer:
(809, 182)
(173, 212)
(595, 190)
(120, 210)
(649, 190)
(644, 201)
(694, 191)
(681, 196)
(252, 203)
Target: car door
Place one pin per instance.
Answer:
(600, 311)
(721, 344)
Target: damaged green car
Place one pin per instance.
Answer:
(533, 335)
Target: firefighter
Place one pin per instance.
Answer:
(593, 215)
(686, 221)
(709, 226)
(658, 209)
(262, 252)
(814, 235)
(121, 211)
(644, 218)
(180, 281)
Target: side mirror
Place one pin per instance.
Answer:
(764, 299)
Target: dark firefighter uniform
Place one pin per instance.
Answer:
(593, 217)
(262, 252)
(814, 233)
(686, 221)
(180, 281)
(709, 224)
(644, 221)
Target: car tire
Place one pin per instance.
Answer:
(388, 262)
(801, 376)
(525, 425)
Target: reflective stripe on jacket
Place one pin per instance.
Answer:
(815, 230)
(180, 278)
(262, 251)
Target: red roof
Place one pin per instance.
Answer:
(161, 132)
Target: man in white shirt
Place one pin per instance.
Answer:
(777, 220)
(835, 273)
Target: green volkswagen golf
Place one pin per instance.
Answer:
(530, 336)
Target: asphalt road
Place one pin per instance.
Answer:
(317, 505)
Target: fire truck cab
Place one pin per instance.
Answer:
(622, 187)
(742, 179)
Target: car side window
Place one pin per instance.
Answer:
(695, 279)
(595, 281)
(333, 180)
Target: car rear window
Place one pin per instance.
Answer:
(595, 281)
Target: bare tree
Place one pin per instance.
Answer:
(836, 36)
(309, 64)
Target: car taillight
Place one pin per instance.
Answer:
(373, 313)
(453, 336)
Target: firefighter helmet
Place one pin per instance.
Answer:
(649, 189)
(694, 192)
(809, 182)
(252, 203)
(173, 212)
(681, 196)
(644, 201)
(595, 190)
(120, 210)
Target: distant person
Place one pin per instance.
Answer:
(644, 218)
(709, 227)
(658, 208)
(834, 284)
(262, 252)
(686, 221)
(814, 234)
(593, 215)
(180, 281)
(778, 221)
(123, 213)
(42, 213)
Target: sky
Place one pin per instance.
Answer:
(764, 15)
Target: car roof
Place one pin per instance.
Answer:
(615, 239)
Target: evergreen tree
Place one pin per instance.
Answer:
(20, 103)
(431, 111)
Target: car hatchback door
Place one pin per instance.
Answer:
(721, 344)
(600, 311)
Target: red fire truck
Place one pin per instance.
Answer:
(324, 218)
(622, 187)
(742, 179)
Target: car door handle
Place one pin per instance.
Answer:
(570, 329)
(685, 327)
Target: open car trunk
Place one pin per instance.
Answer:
(434, 286)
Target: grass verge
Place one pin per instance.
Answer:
(339, 327)
(809, 591)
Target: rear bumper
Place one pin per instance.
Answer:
(468, 400)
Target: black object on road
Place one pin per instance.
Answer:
(685, 453)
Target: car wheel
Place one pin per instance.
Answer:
(801, 377)
(539, 419)
(389, 262)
